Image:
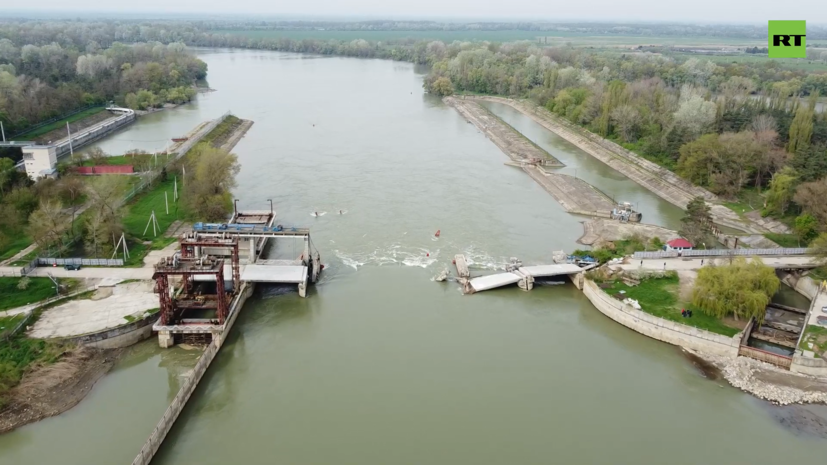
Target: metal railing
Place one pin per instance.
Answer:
(79, 261)
(723, 253)
(50, 121)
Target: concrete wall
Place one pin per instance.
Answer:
(660, 329)
(171, 414)
(809, 366)
(121, 336)
(804, 285)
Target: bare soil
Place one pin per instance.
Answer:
(51, 390)
(57, 134)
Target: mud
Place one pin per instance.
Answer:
(53, 389)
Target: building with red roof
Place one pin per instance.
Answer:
(679, 245)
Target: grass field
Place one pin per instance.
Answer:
(140, 209)
(815, 335)
(790, 63)
(11, 296)
(17, 242)
(58, 124)
(659, 297)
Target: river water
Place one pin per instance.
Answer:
(380, 365)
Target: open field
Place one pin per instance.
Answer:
(445, 36)
(37, 290)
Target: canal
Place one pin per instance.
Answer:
(380, 365)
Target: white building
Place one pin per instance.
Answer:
(40, 161)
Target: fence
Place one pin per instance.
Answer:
(171, 414)
(723, 253)
(764, 356)
(105, 169)
(79, 261)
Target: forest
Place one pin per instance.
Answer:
(43, 75)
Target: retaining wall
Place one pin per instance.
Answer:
(115, 338)
(151, 446)
(660, 329)
(809, 366)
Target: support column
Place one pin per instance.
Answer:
(165, 339)
(252, 258)
(303, 289)
(307, 249)
(527, 283)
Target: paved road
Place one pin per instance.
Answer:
(678, 264)
(59, 272)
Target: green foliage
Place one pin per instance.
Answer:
(785, 240)
(18, 355)
(658, 296)
(801, 130)
(696, 225)
(806, 227)
(742, 289)
(11, 295)
(442, 86)
(781, 191)
(817, 337)
(35, 133)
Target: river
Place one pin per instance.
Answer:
(380, 365)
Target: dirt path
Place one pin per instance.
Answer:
(598, 230)
(54, 389)
(656, 179)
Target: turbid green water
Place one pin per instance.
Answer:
(380, 365)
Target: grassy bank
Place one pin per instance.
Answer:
(11, 296)
(815, 335)
(59, 124)
(16, 243)
(138, 212)
(659, 297)
(18, 355)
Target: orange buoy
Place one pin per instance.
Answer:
(437, 233)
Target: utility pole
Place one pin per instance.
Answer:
(3, 131)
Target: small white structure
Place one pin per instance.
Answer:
(678, 245)
(40, 161)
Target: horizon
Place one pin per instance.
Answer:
(452, 11)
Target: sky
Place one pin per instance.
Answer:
(707, 11)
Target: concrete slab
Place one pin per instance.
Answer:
(484, 283)
(91, 315)
(274, 274)
(544, 271)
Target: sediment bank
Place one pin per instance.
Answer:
(53, 389)
(575, 195)
(660, 181)
(599, 230)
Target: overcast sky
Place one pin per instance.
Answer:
(729, 11)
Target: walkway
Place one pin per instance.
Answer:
(678, 264)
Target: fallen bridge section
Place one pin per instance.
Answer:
(523, 277)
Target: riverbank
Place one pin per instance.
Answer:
(53, 389)
(660, 181)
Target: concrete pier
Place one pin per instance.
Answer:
(462, 266)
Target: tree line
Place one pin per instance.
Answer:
(42, 78)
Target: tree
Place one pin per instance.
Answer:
(812, 197)
(801, 129)
(781, 191)
(6, 173)
(695, 115)
(699, 159)
(71, 190)
(442, 86)
(47, 225)
(697, 224)
(208, 192)
(742, 289)
(626, 119)
(818, 248)
(806, 227)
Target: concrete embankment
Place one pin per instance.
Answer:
(658, 180)
(238, 132)
(156, 438)
(575, 195)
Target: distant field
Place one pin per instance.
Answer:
(561, 38)
(791, 63)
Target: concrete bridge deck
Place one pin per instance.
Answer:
(524, 276)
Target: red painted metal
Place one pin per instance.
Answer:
(105, 169)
